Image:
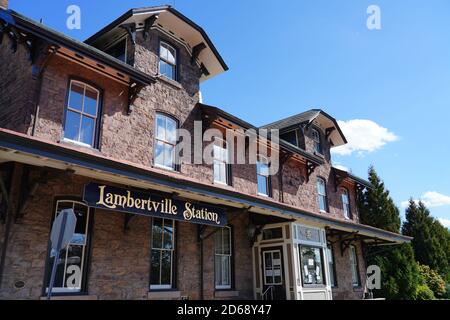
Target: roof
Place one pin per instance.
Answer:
(351, 176)
(308, 117)
(56, 38)
(177, 24)
(51, 154)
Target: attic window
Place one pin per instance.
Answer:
(317, 141)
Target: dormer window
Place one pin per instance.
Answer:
(317, 141)
(167, 61)
(119, 50)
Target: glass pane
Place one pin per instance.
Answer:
(80, 229)
(273, 233)
(168, 234)
(262, 185)
(163, 53)
(157, 233)
(321, 187)
(87, 130)
(322, 203)
(168, 156)
(159, 153)
(218, 270)
(226, 270)
(72, 127)
(311, 262)
(220, 172)
(90, 102)
(268, 259)
(218, 242)
(161, 127)
(167, 70)
(171, 131)
(171, 55)
(76, 96)
(73, 269)
(166, 267)
(155, 267)
(60, 269)
(226, 241)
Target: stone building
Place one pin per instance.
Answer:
(92, 127)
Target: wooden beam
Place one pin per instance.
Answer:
(196, 51)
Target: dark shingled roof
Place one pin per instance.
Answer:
(307, 116)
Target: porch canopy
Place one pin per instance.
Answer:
(17, 147)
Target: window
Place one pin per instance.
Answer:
(73, 260)
(322, 192)
(317, 141)
(262, 167)
(166, 139)
(346, 204)
(312, 265)
(223, 258)
(354, 266)
(331, 266)
(272, 268)
(290, 137)
(119, 50)
(163, 248)
(81, 114)
(167, 61)
(221, 160)
(272, 233)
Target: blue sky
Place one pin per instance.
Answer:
(289, 56)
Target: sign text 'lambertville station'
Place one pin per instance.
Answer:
(155, 205)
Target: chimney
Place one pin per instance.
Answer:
(4, 4)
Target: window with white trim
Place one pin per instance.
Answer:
(162, 255)
(346, 204)
(221, 161)
(223, 258)
(331, 265)
(165, 141)
(168, 61)
(322, 194)
(81, 114)
(73, 259)
(317, 141)
(263, 176)
(354, 266)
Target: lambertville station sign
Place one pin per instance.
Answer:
(154, 205)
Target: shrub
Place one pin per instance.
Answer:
(424, 293)
(433, 280)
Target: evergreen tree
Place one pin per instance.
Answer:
(376, 207)
(431, 241)
(400, 274)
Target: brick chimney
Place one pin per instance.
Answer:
(4, 4)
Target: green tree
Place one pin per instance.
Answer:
(376, 207)
(431, 240)
(433, 280)
(399, 270)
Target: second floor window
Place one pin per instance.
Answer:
(221, 162)
(346, 204)
(165, 141)
(168, 61)
(322, 194)
(81, 114)
(263, 176)
(317, 141)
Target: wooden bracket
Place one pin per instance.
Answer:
(338, 179)
(196, 51)
(204, 70)
(310, 168)
(148, 24)
(130, 28)
(133, 92)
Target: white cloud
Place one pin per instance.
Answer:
(445, 222)
(363, 136)
(431, 199)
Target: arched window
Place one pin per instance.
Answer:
(346, 204)
(73, 260)
(165, 141)
(322, 194)
(317, 141)
(81, 116)
(168, 61)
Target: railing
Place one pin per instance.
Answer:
(266, 296)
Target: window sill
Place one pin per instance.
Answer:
(226, 293)
(171, 82)
(79, 145)
(164, 295)
(72, 298)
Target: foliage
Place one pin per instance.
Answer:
(424, 293)
(433, 280)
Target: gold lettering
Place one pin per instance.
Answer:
(101, 200)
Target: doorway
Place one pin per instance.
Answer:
(274, 284)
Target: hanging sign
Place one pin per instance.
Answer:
(153, 205)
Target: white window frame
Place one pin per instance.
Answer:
(356, 282)
(172, 251)
(220, 255)
(83, 257)
(317, 141)
(320, 195)
(165, 142)
(331, 265)
(82, 113)
(221, 162)
(271, 252)
(345, 198)
(263, 160)
(323, 269)
(168, 46)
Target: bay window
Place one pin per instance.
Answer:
(81, 114)
(223, 258)
(162, 254)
